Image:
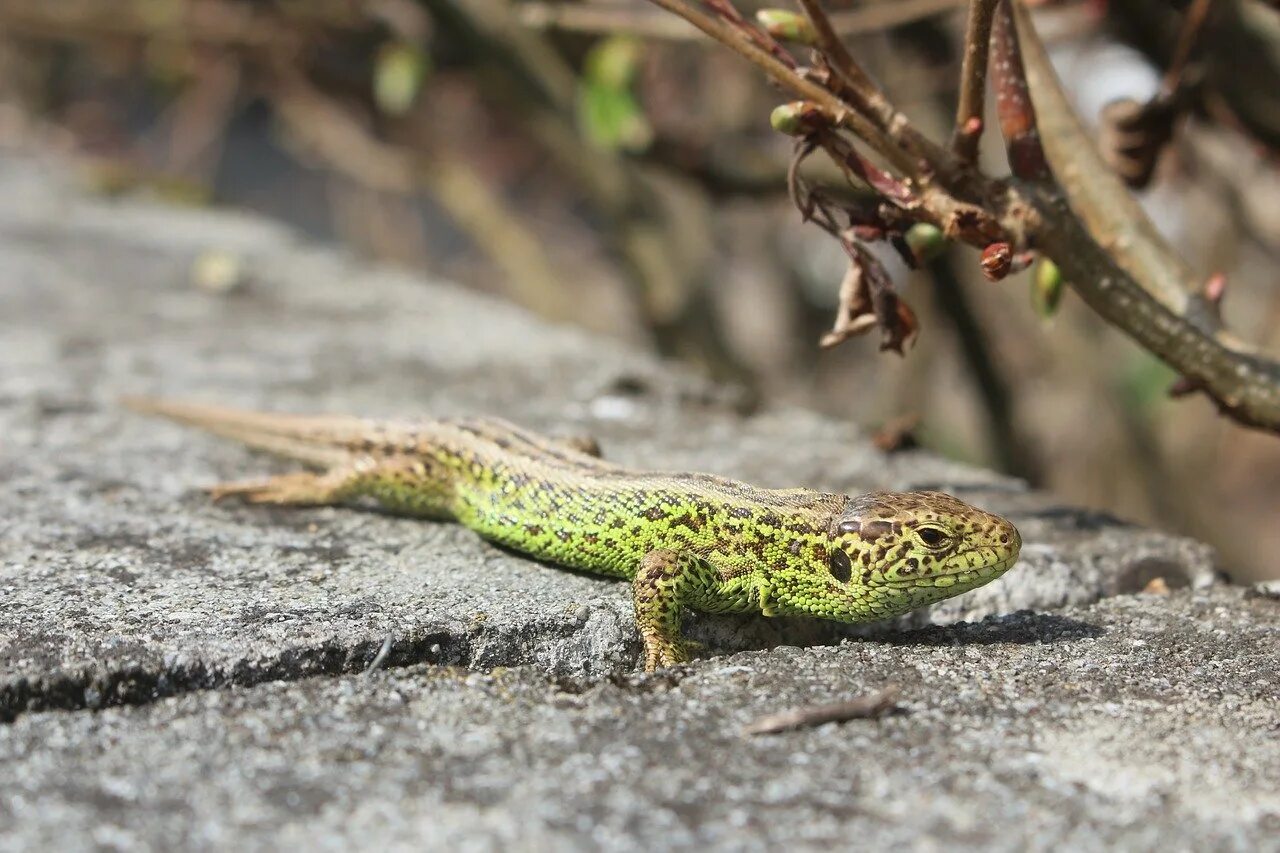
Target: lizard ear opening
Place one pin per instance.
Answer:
(841, 568)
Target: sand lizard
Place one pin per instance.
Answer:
(683, 540)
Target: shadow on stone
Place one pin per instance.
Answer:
(1074, 518)
(1024, 627)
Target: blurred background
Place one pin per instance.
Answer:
(602, 165)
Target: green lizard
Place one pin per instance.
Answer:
(683, 540)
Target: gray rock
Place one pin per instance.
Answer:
(1069, 717)
(122, 582)
(1142, 722)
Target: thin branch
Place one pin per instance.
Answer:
(840, 112)
(611, 18)
(833, 49)
(973, 80)
(866, 95)
(873, 705)
(728, 12)
(1193, 27)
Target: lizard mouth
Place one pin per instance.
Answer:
(968, 576)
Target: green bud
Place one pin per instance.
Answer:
(793, 119)
(926, 241)
(1046, 288)
(614, 62)
(787, 25)
(398, 74)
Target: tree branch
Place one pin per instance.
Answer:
(837, 109)
(611, 18)
(1129, 274)
(866, 95)
(973, 81)
(1132, 278)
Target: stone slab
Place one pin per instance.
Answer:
(120, 582)
(1143, 722)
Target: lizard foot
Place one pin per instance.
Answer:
(298, 489)
(660, 653)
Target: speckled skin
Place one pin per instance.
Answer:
(683, 540)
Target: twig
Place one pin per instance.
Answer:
(1193, 26)
(380, 658)
(864, 707)
(757, 36)
(617, 18)
(869, 96)
(973, 80)
(863, 93)
(799, 85)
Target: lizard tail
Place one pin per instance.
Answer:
(323, 441)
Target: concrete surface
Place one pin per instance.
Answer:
(120, 584)
(1139, 723)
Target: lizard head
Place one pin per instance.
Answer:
(891, 552)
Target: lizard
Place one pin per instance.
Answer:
(683, 540)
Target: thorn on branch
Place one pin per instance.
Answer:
(1183, 387)
(1214, 289)
(967, 137)
(1204, 307)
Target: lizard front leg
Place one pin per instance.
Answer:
(667, 582)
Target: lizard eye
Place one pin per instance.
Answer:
(932, 536)
(841, 568)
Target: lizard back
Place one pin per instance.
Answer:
(553, 501)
